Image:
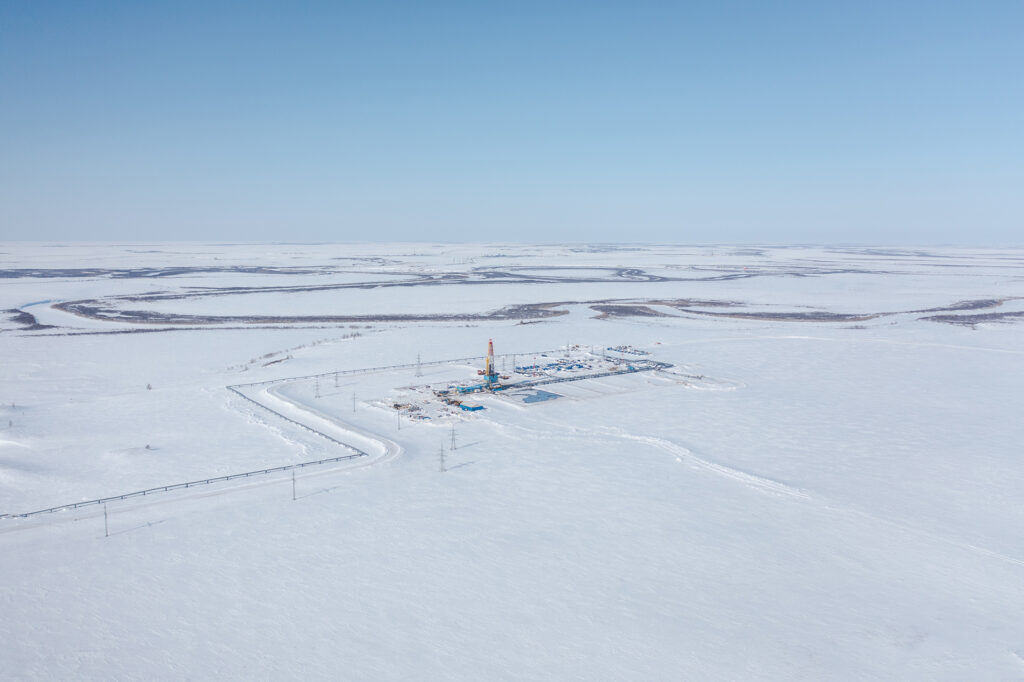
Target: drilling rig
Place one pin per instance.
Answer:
(490, 371)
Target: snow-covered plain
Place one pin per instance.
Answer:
(839, 496)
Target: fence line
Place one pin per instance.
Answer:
(234, 389)
(410, 365)
(356, 451)
(207, 481)
(650, 365)
(178, 486)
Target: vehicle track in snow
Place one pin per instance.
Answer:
(767, 486)
(687, 456)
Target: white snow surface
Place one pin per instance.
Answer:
(795, 499)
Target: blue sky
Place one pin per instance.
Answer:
(873, 122)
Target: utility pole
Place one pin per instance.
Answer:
(106, 526)
(318, 387)
(442, 458)
(453, 437)
(419, 366)
(399, 415)
(335, 379)
(293, 485)
(353, 402)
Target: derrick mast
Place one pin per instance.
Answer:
(490, 371)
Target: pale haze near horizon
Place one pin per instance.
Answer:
(795, 122)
